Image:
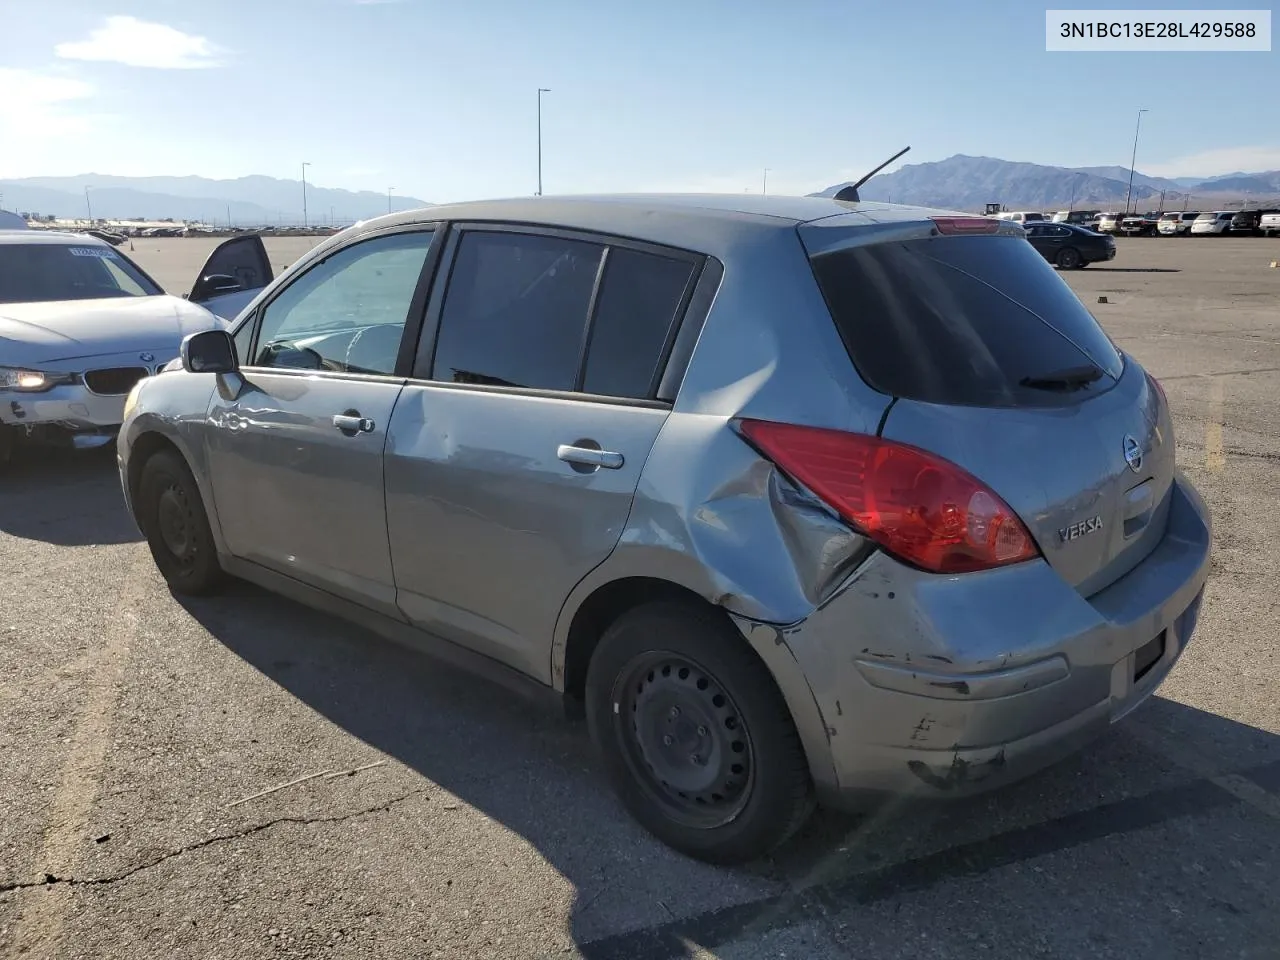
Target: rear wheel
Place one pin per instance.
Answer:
(694, 735)
(172, 516)
(1069, 258)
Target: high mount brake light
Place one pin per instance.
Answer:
(960, 226)
(919, 507)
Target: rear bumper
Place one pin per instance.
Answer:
(946, 686)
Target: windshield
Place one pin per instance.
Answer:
(49, 272)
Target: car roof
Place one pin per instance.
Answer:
(711, 223)
(53, 237)
(745, 209)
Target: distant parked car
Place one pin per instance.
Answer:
(1109, 223)
(1176, 224)
(1139, 224)
(1269, 223)
(1214, 222)
(115, 239)
(1023, 216)
(1249, 221)
(1070, 246)
(1079, 217)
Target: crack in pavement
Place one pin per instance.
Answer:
(50, 880)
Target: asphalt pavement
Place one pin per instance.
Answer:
(423, 813)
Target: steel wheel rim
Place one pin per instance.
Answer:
(175, 522)
(1068, 258)
(684, 739)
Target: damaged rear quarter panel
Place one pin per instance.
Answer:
(713, 516)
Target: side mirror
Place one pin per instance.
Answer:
(210, 351)
(215, 285)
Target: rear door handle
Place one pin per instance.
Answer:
(589, 456)
(351, 424)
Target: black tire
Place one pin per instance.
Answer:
(172, 517)
(1069, 258)
(755, 790)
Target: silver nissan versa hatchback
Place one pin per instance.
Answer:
(797, 499)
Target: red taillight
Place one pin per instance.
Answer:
(952, 226)
(919, 507)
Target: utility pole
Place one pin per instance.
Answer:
(87, 204)
(304, 195)
(1134, 159)
(541, 91)
(1075, 182)
(228, 216)
(389, 189)
(764, 183)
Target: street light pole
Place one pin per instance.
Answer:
(304, 195)
(1134, 158)
(1075, 182)
(764, 183)
(389, 189)
(541, 91)
(87, 204)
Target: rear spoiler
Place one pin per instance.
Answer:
(849, 194)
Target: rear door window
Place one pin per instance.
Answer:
(636, 312)
(515, 312)
(975, 321)
(523, 310)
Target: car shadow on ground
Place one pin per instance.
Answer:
(69, 498)
(534, 774)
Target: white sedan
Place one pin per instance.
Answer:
(80, 324)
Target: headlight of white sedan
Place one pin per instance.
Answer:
(24, 380)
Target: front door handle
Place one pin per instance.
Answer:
(353, 423)
(589, 456)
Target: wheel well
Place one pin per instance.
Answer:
(601, 609)
(142, 450)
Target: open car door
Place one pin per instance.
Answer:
(232, 276)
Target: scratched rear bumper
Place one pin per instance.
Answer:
(950, 685)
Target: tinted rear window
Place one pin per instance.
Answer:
(962, 320)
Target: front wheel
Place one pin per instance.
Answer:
(694, 735)
(1069, 258)
(172, 516)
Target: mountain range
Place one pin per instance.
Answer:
(959, 182)
(245, 201)
(969, 183)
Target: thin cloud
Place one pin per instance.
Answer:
(37, 106)
(137, 43)
(1212, 163)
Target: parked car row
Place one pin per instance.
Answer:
(1263, 222)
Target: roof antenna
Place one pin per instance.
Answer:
(849, 194)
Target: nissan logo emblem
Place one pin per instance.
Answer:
(1132, 453)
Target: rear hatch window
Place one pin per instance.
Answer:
(972, 321)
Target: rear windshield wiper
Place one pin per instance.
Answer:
(1068, 378)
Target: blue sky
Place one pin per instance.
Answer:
(438, 99)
